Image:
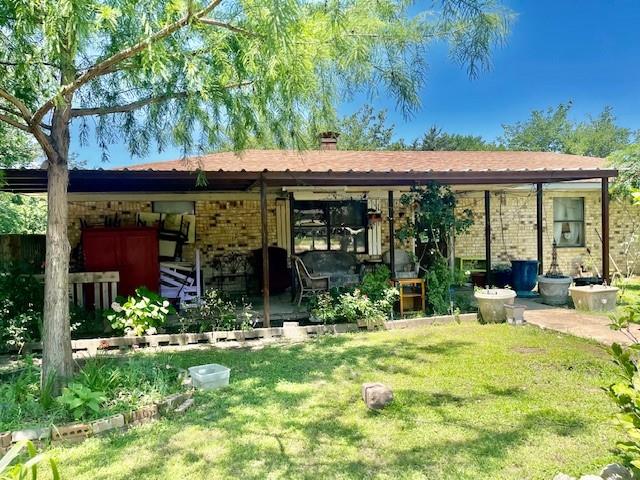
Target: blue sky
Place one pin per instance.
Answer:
(586, 51)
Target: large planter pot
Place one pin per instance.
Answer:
(524, 275)
(491, 303)
(554, 290)
(594, 298)
(501, 278)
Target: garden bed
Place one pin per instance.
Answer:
(103, 387)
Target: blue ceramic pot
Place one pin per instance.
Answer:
(524, 275)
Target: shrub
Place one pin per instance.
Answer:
(216, 311)
(354, 306)
(140, 314)
(625, 393)
(21, 304)
(376, 283)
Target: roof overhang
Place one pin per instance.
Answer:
(86, 181)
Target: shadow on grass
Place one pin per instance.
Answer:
(290, 412)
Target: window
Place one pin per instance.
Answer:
(568, 222)
(330, 225)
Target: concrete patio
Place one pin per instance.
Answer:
(573, 322)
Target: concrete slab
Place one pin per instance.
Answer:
(573, 322)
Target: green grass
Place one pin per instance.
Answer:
(471, 402)
(629, 291)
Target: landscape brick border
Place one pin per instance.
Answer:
(290, 331)
(79, 432)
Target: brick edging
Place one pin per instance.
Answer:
(80, 431)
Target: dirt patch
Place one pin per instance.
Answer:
(529, 350)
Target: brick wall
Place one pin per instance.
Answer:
(234, 225)
(221, 225)
(513, 229)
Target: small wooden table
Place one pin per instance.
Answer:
(412, 291)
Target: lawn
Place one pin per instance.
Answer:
(471, 402)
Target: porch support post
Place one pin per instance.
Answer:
(605, 229)
(392, 237)
(265, 252)
(539, 227)
(292, 240)
(487, 234)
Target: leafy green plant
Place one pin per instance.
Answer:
(216, 311)
(625, 393)
(375, 284)
(354, 306)
(28, 469)
(139, 314)
(81, 401)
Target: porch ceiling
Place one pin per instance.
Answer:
(35, 180)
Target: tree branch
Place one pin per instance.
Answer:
(14, 123)
(228, 26)
(22, 108)
(130, 107)
(109, 63)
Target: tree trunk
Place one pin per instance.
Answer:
(57, 361)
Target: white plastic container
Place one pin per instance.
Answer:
(209, 377)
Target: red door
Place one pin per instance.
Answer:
(132, 251)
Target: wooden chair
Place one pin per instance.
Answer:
(308, 284)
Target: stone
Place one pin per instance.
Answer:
(591, 477)
(563, 476)
(143, 415)
(615, 471)
(376, 395)
(185, 406)
(5, 439)
(32, 434)
(75, 432)
(108, 423)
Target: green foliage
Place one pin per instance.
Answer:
(366, 130)
(434, 217)
(21, 303)
(553, 131)
(81, 401)
(28, 469)
(439, 280)
(355, 306)
(627, 161)
(22, 214)
(625, 392)
(113, 385)
(216, 311)
(140, 314)
(435, 139)
(375, 284)
(257, 71)
(17, 148)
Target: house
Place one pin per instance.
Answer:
(244, 203)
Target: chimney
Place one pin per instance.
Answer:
(329, 140)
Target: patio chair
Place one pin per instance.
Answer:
(308, 284)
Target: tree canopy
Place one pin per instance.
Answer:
(552, 130)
